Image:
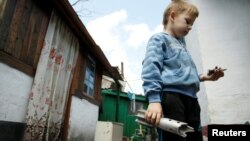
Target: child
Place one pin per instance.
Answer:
(170, 78)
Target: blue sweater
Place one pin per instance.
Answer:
(168, 67)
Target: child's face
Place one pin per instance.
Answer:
(182, 24)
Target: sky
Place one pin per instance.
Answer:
(122, 29)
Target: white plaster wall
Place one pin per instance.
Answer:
(223, 31)
(14, 90)
(83, 120)
(194, 49)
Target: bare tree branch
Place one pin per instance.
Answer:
(81, 10)
(75, 3)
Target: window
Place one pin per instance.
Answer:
(89, 81)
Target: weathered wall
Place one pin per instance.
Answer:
(193, 47)
(83, 120)
(223, 30)
(14, 90)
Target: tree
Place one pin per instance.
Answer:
(78, 1)
(81, 10)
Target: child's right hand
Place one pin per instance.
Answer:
(154, 113)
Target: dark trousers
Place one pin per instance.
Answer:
(183, 108)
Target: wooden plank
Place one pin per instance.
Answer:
(34, 36)
(28, 37)
(98, 83)
(17, 64)
(5, 22)
(22, 29)
(45, 5)
(17, 17)
(66, 120)
(42, 31)
(76, 75)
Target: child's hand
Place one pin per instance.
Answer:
(213, 74)
(154, 113)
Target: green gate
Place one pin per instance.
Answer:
(116, 107)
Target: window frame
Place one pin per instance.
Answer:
(90, 62)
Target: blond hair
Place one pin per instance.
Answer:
(179, 6)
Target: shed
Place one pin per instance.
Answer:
(119, 109)
(51, 71)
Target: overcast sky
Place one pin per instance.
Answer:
(122, 29)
